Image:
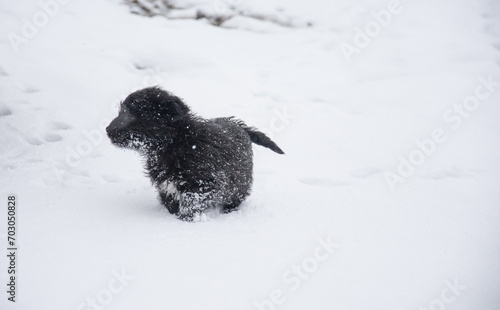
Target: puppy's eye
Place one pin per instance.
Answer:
(125, 115)
(131, 117)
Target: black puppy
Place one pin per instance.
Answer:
(194, 163)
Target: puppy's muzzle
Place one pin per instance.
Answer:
(116, 130)
(115, 125)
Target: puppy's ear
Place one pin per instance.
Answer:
(155, 102)
(174, 106)
(167, 103)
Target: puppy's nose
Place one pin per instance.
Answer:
(110, 129)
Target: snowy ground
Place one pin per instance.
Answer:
(330, 225)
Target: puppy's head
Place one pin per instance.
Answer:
(144, 118)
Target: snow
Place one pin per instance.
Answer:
(323, 227)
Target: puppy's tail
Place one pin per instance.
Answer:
(259, 138)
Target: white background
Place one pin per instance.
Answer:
(86, 211)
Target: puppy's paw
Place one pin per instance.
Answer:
(200, 217)
(194, 217)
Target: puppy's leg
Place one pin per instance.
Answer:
(231, 207)
(192, 205)
(169, 195)
(169, 202)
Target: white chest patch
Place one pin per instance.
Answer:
(170, 188)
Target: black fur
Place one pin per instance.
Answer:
(194, 163)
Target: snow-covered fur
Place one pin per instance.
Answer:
(194, 163)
